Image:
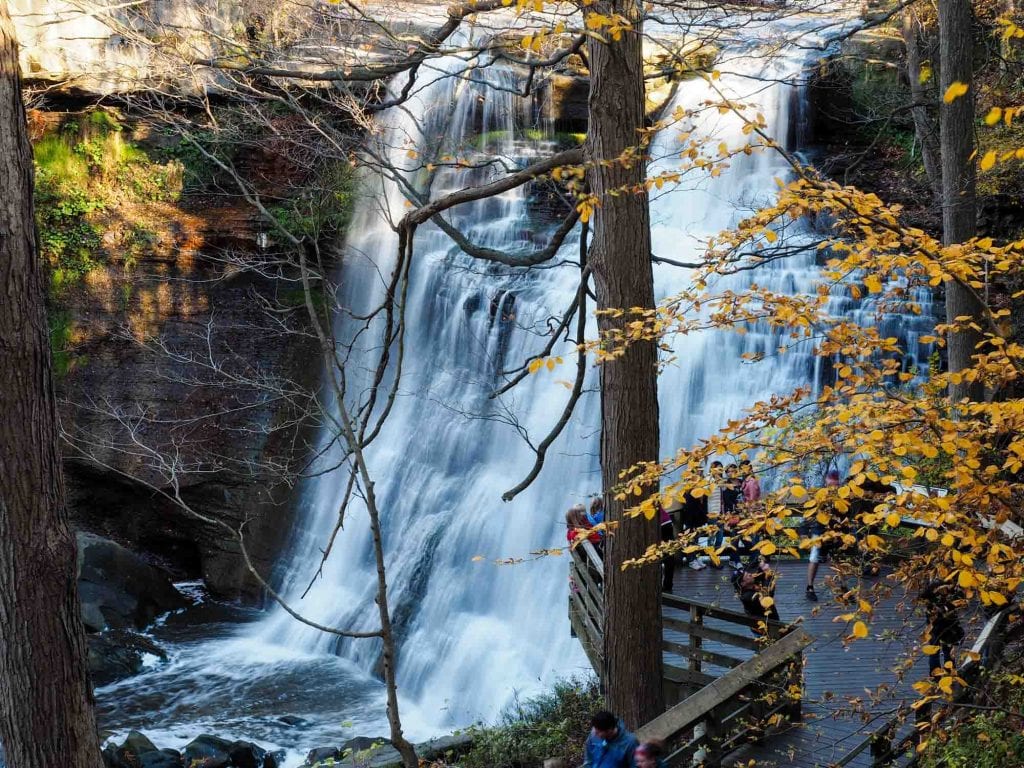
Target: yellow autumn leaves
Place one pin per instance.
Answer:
(992, 118)
(954, 92)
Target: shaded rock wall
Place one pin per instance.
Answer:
(181, 381)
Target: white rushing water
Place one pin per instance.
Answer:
(473, 633)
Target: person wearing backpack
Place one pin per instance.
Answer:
(754, 582)
(944, 631)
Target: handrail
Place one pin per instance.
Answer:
(701, 706)
(879, 740)
(595, 559)
(689, 712)
(587, 608)
(723, 704)
(586, 602)
(717, 612)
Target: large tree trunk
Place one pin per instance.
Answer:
(956, 29)
(46, 705)
(621, 263)
(921, 95)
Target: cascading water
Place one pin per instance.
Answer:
(474, 633)
(445, 455)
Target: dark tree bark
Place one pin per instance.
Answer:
(621, 263)
(959, 219)
(921, 94)
(46, 705)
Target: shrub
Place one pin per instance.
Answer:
(83, 170)
(554, 724)
(989, 739)
(986, 741)
(322, 208)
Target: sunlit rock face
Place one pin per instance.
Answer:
(89, 51)
(92, 53)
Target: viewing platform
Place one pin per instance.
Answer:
(803, 696)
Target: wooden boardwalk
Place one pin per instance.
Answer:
(849, 688)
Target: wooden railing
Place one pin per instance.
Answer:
(741, 706)
(898, 736)
(690, 665)
(586, 602)
(727, 676)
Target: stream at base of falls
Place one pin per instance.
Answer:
(475, 634)
(219, 681)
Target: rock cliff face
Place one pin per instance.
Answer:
(179, 359)
(78, 46)
(164, 357)
(182, 373)
(94, 49)
(184, 377)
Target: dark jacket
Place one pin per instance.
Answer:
(940, 599)
(617, 753)
(695, 511)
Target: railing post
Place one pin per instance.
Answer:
(700, 730)
(713, 732)
(696, 641)
(881, 745)
(795, 679)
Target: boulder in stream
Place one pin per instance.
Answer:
(365, 752)
(245, 754)
(119, 653)
(361, 751)
(117, 589)
(209, 752)
(137, 751)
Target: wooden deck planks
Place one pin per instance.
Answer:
(834, 672)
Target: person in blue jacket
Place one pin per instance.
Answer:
(609, 744)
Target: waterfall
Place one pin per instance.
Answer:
(474, 633)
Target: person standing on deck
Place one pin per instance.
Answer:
(945, 631)
(751, 487)
(609, 744)
(731, 495)
(595, 517)
(749, 498)
(822, 550)
(715, 506)
(668, 563)
(576, 522)
(694, 515)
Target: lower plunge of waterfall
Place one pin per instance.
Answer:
(474, 635)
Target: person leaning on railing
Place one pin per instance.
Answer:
(577, 522)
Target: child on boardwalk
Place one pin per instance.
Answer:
(576, 522)
(755, 585)
(650, 755)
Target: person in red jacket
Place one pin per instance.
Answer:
(751, 487)
(576, 521)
